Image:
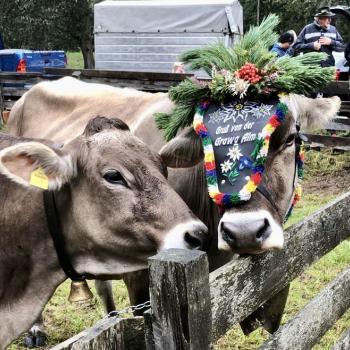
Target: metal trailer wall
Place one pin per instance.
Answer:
(150, 35)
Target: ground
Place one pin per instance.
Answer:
(327, 184)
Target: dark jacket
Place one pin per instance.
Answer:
(280, 51)
(311, 33)
(347, 52)
(2, 46)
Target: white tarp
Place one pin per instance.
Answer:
(174, 16)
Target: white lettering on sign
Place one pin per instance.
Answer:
(222, 130)
(248, 125)
(248, 136)
(236, 127)
(223, 141)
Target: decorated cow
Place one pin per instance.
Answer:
(234, 145)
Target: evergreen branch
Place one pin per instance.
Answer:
(234, 70)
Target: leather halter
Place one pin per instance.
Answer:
(55, 230)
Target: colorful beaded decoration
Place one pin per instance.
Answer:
(300, 158)
(259, 156)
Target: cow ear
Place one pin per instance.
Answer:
(313, 113)
(35, 164)
(184, 151)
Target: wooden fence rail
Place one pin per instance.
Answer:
(188, 312)
(344, 342)
(109, 333)
(13, 85)
(314, 320)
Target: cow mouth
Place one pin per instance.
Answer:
(250, 233)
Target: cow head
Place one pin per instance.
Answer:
(115, 204)
(256, 225)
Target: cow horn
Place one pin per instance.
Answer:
(79, 291)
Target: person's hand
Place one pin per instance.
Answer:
(317, 46)
(325, 41)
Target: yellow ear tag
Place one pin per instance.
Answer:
(39, 179)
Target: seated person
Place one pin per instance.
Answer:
(284, 45)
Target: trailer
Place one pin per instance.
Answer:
(149, 36)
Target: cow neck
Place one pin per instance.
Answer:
(55, 229)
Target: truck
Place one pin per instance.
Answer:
(149, 36)
(21, 60)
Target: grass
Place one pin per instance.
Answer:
(75, 60)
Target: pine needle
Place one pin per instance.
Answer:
(302, 74)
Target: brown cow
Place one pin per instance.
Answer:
(58, 110)
(114, 203)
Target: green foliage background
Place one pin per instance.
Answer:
(294, 14)
(52, 24)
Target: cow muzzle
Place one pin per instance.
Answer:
(249, 232)
(190, 235)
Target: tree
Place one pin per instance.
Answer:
(68, 25)
(49, 25)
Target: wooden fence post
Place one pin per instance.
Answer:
(180, 299)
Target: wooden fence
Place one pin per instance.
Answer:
(192, 309)
(14, 85)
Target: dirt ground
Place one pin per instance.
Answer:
(328, 184)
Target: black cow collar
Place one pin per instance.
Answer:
(54, 224)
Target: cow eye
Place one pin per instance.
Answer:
(290, 140)
(115, 177)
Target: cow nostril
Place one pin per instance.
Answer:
(228, 234)
(263, 230)
(192, 241)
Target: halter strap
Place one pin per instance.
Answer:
(55, 230)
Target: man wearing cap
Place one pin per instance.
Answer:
(320, 36)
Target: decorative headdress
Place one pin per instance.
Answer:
(246, 81)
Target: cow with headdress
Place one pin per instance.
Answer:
(232, 144)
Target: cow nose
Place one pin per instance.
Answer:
(246, 238)
(197, 237)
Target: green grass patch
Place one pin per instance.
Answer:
(325, 162)
(75, 60)
(64, 319)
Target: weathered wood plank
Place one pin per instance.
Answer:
(344, 342)
(330, 141)
(312, 322)
(99, 73)
(337, 88)
(149, 338)
(110, 333)
(342, 120)
(19, 76)
(9, 92)
(241, 286)
(180, 299)
(338, 126)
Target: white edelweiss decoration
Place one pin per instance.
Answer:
(226, 166)
(239, 87)
(234, 153)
